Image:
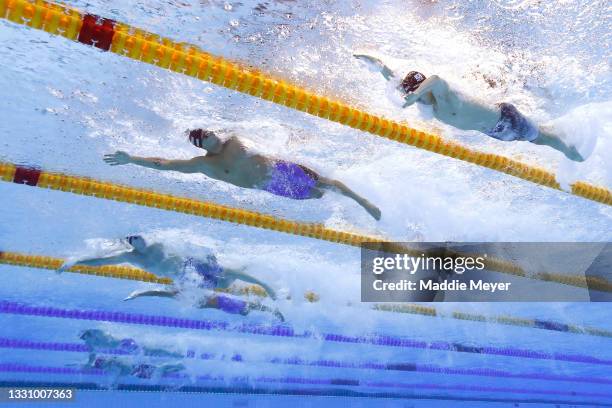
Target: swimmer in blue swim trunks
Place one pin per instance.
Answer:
(232, 162)
(502, 121)
(204, 272)
(99, 341)
(118, 367)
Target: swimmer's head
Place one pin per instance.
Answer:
(93, 337)
(136, 241)
(412, 81)
(90, 334)
(204, 139)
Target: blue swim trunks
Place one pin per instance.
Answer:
(291, 180)
(210, 271)
(143, 371)
(232, 305)
(512, 125)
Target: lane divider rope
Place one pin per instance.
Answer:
(110, 191)
(331, 382)
(107, 271)
(252, 390)
(101, 189)
(124, 272)
(284, 330)
(503, 320)
(137, 44)
(20, 344)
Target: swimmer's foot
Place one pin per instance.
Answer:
(263, 308)
(548, 138)
(573, 154)
(279, 315)
(371, 209)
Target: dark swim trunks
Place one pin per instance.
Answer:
(210, 271)
(512, 125)
(143, 371)
(291, 180)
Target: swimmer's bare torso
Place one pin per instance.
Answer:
(232, 163)
(452, 107)
(460, 111)
(448, 105)
(154, 258)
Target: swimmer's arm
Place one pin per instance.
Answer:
(97, 261)
(384, 70)
(169, 293)
(90, 361)
(434, 84)
(195, 165)
(184, 166)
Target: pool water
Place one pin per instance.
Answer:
(65, 105)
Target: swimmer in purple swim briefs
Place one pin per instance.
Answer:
(230, 161)
(501, 121)
(203, 272)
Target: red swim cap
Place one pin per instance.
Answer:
(196, 136)
(412, 81)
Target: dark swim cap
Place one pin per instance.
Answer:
(132, 238)
(412, 81)
(196, 136)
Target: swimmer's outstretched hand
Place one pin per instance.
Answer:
(118, 158)
(376, 65)
(368, 58)
(135, 294)
(411, 99)
(66, 265)
(131, 296)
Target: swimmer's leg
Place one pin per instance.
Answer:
(160, 353)
(262, 308)
(547, 138)
(232, 275)
(335, 185)
(170, 293)
(166, 369)
(236, 306)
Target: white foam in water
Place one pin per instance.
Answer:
(393, 92)
(99, 248)
(589, 129)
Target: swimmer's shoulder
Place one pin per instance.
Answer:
(234, 148)
(234, 141)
